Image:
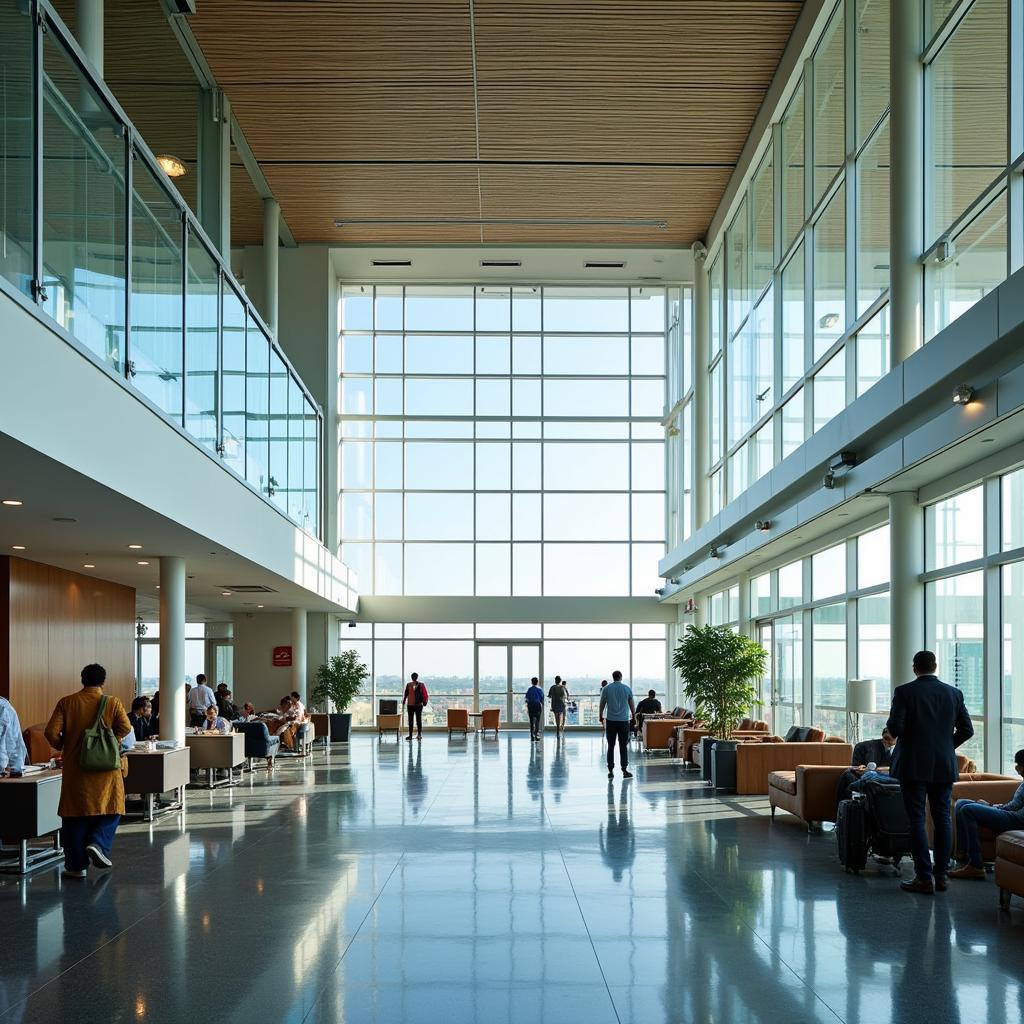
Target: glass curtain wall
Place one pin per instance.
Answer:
(503, 441)
(799, 281)
(679, 437)
(443, 654)
(134, 284)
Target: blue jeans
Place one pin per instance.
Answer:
(937, 795)
(969, 816)
(78, 833)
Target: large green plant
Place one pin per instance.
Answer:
(339, 681)
(719, 669)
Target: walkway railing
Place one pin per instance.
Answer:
(95, 235)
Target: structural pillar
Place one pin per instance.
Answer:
(214, 170)
(172, 648)
(906, 591)
(89, 31)
(299, 652)
(271, 233)
(701, 409)
(906, 190)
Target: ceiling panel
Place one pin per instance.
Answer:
(496, 108)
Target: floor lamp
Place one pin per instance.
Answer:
(860, 700)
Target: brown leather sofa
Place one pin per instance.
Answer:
(808, 791)
(1010, 866)
(996, 789)
(756, 761)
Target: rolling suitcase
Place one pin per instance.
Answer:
(852, 833)
(889, 826)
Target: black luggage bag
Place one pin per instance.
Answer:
(888, 824)
(852, 833)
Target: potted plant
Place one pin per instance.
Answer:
(719, 669)
(338, 682)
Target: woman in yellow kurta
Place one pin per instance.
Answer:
(91, 803)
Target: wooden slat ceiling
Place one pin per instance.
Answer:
(582, 109)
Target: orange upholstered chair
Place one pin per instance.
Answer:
(389, 723)
(458, 718)
(37, 745)
(490, 718)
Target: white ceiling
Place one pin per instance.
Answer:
(105, 523)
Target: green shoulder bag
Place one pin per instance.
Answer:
(100, 750)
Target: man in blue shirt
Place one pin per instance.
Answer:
(12, 746)
(996, 818)
(535, 708)
(616, 713)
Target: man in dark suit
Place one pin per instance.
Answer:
(878, 752)
(141, 718)
(930, 721)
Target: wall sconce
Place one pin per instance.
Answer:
(763, 525)
(963, 395)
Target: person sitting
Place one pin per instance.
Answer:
(876, 753)
(249, 712)
(997, 818)
(12, 745)
(284, 723)
(212, 722)
(141, 717)
(226, 707)
(650, 705)
(298, 707)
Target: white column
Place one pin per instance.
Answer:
(299, 652)
(89, 30)
(701, 406)
(172, 648)
(271, 232)
(906, 592)
(906, 186)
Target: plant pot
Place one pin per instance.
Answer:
(705, 757)
(723, 765)
(341, 727)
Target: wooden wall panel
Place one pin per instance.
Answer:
(56, 622)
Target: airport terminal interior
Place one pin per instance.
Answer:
(364, 356)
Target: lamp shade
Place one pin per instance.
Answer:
(860, 696)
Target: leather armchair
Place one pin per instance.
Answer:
(656, 732)
(259, 742)
(996, 789)
(389, 723)
(490, 718)
(37, 745)
(756, 761)
(1010, 866)
(458, 720)
(808, 792)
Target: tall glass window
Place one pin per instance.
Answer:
(478, 460)
(829, 104)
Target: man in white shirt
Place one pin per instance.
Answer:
(298, 707)
(200, 697)
(12, 745)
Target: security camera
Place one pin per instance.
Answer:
(829, 481)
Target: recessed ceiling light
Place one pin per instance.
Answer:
(134, 547)
(88, 565)
(225, 593)
(142, 563)
(17, 547)
(13, 502)
(259, 606)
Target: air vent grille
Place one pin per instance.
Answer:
(604, 264)
(391, 263)
(248, 588)
(501, 263)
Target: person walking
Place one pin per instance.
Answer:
(535, 708)
(616, 713)
(558, 695)
(91, 800)
(929, 720)
(414, 700)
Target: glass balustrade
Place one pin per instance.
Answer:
(94, 233)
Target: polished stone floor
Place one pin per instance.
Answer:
(483, 880)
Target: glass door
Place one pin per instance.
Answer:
(765, 694)
(503, 673)
(787, 673)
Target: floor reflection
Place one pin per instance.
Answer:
(496, 880)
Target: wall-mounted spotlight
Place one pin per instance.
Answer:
(763, 525)
(829, 481)
(660, 591)
(675, 583)
(963, 395)
(718, 551)
(843, 460)
(351, 623)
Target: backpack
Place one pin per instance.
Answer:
(100, 750)
(424, 697)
